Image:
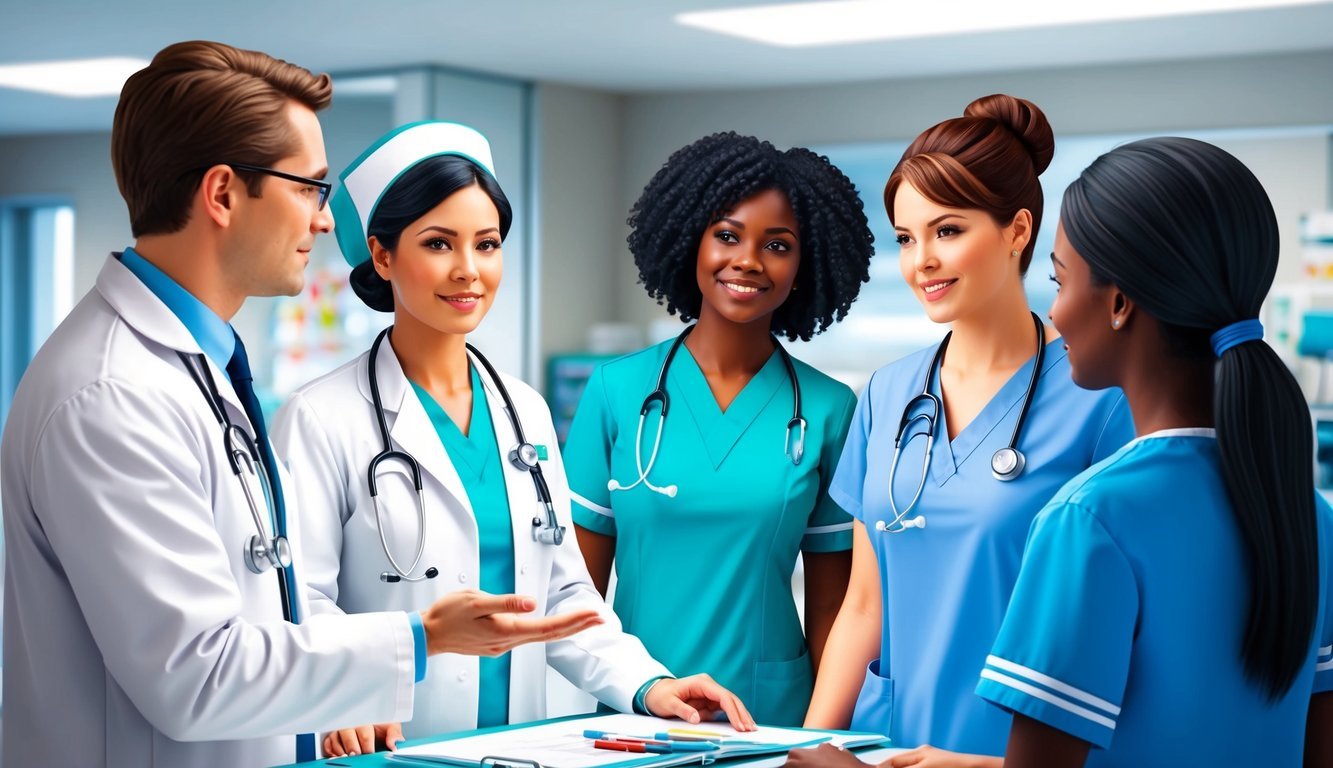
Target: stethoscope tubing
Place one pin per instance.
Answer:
(899, 523)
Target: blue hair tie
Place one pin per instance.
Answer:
(1237, 333)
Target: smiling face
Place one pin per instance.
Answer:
(1084, 312)
(748, 259)
(959, 262)
(447, 267)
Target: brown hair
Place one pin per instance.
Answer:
(988, 159)
(196, 105)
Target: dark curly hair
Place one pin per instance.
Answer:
(706, 180)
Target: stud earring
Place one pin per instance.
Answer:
(1014, 254)
(1115, 324)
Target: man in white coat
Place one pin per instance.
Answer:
(153, 609)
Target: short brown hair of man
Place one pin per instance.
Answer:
(199, 104)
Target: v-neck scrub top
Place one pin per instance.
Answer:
(1126, 625)
(476, 457)
(704, 579)
(945, 587)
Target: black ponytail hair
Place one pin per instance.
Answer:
(421, 188)
(1187, 232)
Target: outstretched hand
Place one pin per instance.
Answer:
(480, 624)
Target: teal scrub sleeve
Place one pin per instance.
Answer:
(1117, 430)
(848, 486)
(1323, 670)
(830, 527)
(588, 458)
(1062, 654)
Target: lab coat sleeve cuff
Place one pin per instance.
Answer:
(418, 645)
(641, 697)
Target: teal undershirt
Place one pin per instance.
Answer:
(476, 457)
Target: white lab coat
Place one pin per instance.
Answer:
(327, 434)
(134, 634)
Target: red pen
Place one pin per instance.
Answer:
(619, 746)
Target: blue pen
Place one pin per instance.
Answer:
(591, 734)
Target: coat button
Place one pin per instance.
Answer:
(524, 569)
(462, 578)
(462, 677)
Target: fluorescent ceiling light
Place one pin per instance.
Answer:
(863, 21)
(82, 78)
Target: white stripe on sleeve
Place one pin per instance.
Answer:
(590, 506)
(1052, 683)
(1035, 692)
(818, 529)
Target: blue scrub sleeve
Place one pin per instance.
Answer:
(830, 527)
(1062, 654)
(1323, 670)
(1117, 430)
(418, 644)
(588, 458)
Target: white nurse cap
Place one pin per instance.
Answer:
(370, 175)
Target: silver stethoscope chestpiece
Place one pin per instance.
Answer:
(1007, 464)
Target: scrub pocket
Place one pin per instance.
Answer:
(782, 691)
(874, 705)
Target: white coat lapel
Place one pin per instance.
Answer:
(410, 428)
(150, 317)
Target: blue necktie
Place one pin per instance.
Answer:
(242, 380)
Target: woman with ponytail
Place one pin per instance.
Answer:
(1173, 606)
(929, 470)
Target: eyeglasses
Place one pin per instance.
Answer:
(323, 187)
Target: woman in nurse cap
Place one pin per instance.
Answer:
(422, 220)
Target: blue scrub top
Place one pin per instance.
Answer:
(945, 587)
(476, 457)
(704, 579)
(1126, 624)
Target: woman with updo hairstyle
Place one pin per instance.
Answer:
(1175, 603)
(704, 492)
(955, 448)
(422, 471)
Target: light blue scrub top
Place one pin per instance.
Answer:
(1126, 624)
(946, 586)
(704, 579)
(476, 457)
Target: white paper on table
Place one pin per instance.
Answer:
(562, 744)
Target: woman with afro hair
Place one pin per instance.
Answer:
(703, 494)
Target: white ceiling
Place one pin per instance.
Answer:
(616, 45)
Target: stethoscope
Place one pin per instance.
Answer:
(1005, 464)
(524, 456)
(261, 551)
(794, 450)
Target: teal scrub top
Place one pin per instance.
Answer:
(1126, 624)
(476, 457)
(945, 587)
(704, 579)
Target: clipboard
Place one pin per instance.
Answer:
(487, 753)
